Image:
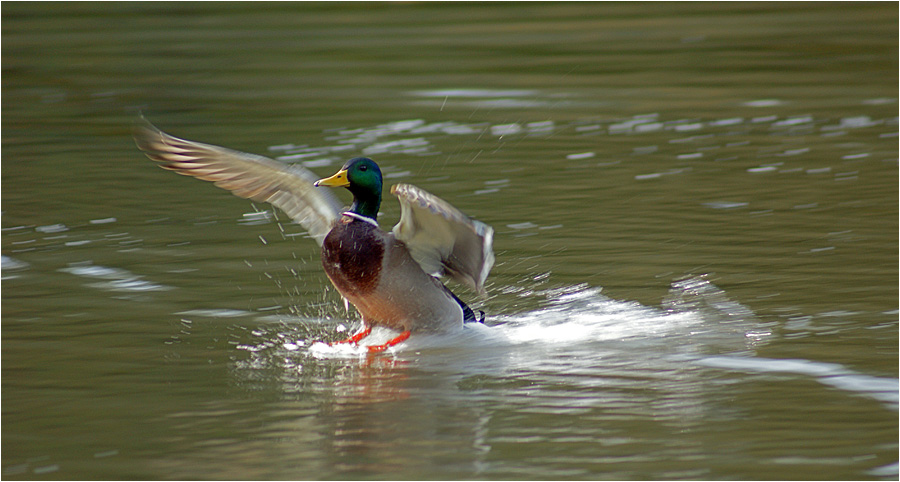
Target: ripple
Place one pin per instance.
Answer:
(833, 374)
(113, 279)
(474, 93)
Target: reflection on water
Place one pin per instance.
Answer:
(696, 235)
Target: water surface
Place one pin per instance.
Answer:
(696, 226)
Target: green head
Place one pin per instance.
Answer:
(362, 177)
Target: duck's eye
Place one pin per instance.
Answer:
(363, 168)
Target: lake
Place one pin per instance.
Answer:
(696, 232)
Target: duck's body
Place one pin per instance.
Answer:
(370, 268)
(390, 277)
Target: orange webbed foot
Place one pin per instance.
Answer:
(393, 341)
(355, 338)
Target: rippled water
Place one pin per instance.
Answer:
(696, 236)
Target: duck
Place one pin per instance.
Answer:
(392, 278)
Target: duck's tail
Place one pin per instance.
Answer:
(468, 314)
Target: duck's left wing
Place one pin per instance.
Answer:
(289, 187)
(442, 239)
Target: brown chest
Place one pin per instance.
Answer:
(352, 255)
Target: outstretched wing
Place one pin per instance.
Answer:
(442, 239)
(259, 178)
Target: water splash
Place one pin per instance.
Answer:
(696, 318)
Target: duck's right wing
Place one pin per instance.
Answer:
(289, 187)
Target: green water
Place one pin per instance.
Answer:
(696, 222)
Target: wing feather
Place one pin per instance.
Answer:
(289, 187)
(442, 239)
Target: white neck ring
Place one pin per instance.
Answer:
(360, 217)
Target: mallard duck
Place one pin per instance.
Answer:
(390, 277)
